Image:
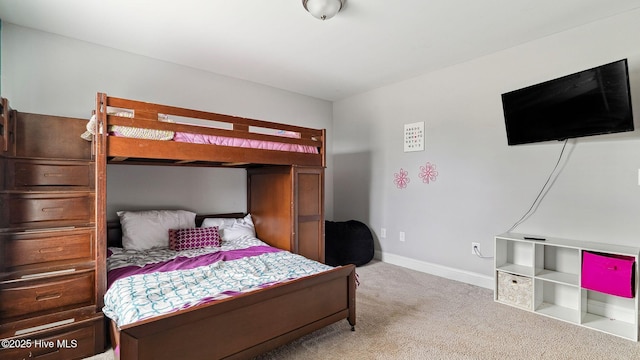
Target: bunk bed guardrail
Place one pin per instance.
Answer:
(146, 116)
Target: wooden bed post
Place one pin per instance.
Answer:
(323, 150)
(4, 125)
(353, 281)
(100, 151)
(7, 128)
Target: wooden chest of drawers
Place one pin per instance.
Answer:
(50, 266)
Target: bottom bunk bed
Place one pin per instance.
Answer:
(279, 297)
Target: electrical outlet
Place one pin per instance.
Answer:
(475, 248)
(401, 235)
(383, 233)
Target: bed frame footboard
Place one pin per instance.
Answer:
(248, 324)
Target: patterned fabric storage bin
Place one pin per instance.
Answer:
(607, 273)
(515, 290)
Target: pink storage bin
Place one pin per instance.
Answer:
(610, 274)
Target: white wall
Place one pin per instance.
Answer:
(485, 186)
(49, 74)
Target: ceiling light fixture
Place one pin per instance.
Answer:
(323, 9)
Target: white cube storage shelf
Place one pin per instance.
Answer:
(554, 267)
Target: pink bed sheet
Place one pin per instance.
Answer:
(245, 143)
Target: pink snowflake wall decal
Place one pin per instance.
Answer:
(428, 173)
(401, 179)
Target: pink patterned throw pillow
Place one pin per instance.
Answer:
(194, 238)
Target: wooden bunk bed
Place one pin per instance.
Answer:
(285, 197)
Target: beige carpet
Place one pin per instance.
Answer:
(405, 314)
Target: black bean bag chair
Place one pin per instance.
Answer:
(347, 242)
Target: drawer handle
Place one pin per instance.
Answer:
(48, 296)
(613, 267)
(52, 209)
(53, 174)
(47, 353)
(514, 281)
(50, 250)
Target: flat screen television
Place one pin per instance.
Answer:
(590, 102)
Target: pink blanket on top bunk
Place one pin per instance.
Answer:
(245, 143)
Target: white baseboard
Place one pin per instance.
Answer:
(438, 270)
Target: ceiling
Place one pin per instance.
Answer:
(370, 43)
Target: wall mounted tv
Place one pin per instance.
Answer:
(590, 102)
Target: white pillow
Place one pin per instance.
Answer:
(147, 229)
(232, 229)
(221, 223)
(241, 227)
